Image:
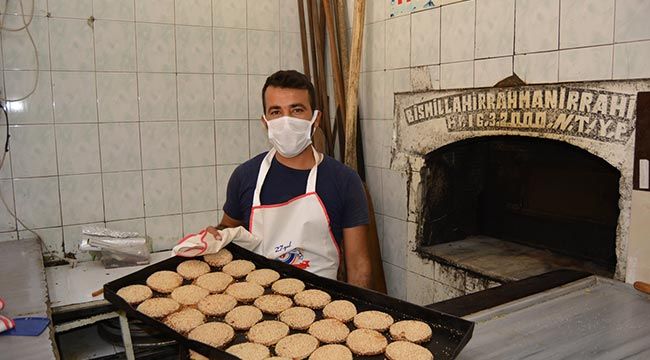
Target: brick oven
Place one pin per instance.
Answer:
(506, 183)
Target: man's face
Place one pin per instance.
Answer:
(288, 102)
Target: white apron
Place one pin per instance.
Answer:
(296, 232)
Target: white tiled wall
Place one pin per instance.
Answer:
(476, 43)
(143, 109)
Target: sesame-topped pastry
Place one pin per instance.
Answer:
(192, 269)
(218, 259)
(164, 281)
(135, 294)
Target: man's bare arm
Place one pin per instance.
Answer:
(226, 222)
(357, 256)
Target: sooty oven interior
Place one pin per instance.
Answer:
(541, 193)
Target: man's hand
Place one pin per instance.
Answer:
(226, 222)
(357, 256)
(214, 231)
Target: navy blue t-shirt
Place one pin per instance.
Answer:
(338, 186)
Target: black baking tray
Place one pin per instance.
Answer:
(450, 333)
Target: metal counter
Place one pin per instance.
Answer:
(593, 318)
(24, 290)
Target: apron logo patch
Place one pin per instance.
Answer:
(295, 258)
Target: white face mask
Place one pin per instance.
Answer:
(289, 135)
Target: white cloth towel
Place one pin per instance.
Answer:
(205, 243)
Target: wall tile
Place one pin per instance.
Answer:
(195, 222)
(457, 32)
(372, 91)
(263, 52)
(425, 37)
(444, 292)
(457, 75)
(120, 146)
(114, 45)
(114, 9)
(424, 78)
(37, 202)
(71, 45)
(9, 236)
(537, 68)
(199, 186)
(230, 97)
(394, 244)
(229, 13)
(399, 46)
(419, 289)
(232, 142)
(53, 240)
(37, 108)
(81, 198)
(373, 55)
(449, 275)
(223, 175)
(395, 281)
(194, 49)
(7, 222)
(259, 139)
(495, 27)
(162, 192)
(291, 52)
(630, 60)
(230, 51)
(17, 49)
(72, 239)
(117, 97)
(394, 194)
(536, 25)
(631, 21)
(488, 72)
(194, 12)
(195, 97)
(157, 96)
(123, 197)
(586, 23)
(197, 143)
(264, 15)
(593, 63)
(131, 225)
(33, 150)
(5, 171)
(77, 148)
(373, 181)
(79, 9)
(40, 8)
(372, 136)
(290, 20)
(75, 98)
(375, 11)
(255, 84)
(164, 231)
(159, 144)
(158, 11)
(155, 47)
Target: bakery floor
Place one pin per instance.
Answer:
(87, 344)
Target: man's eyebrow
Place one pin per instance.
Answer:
(297, 105)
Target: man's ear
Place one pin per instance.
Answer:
(318, 117)
(264, 122)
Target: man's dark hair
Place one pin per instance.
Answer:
(290, 79)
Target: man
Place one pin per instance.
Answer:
(301, 203)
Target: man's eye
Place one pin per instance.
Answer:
(298, 110)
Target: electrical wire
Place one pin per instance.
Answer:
(25, 27)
